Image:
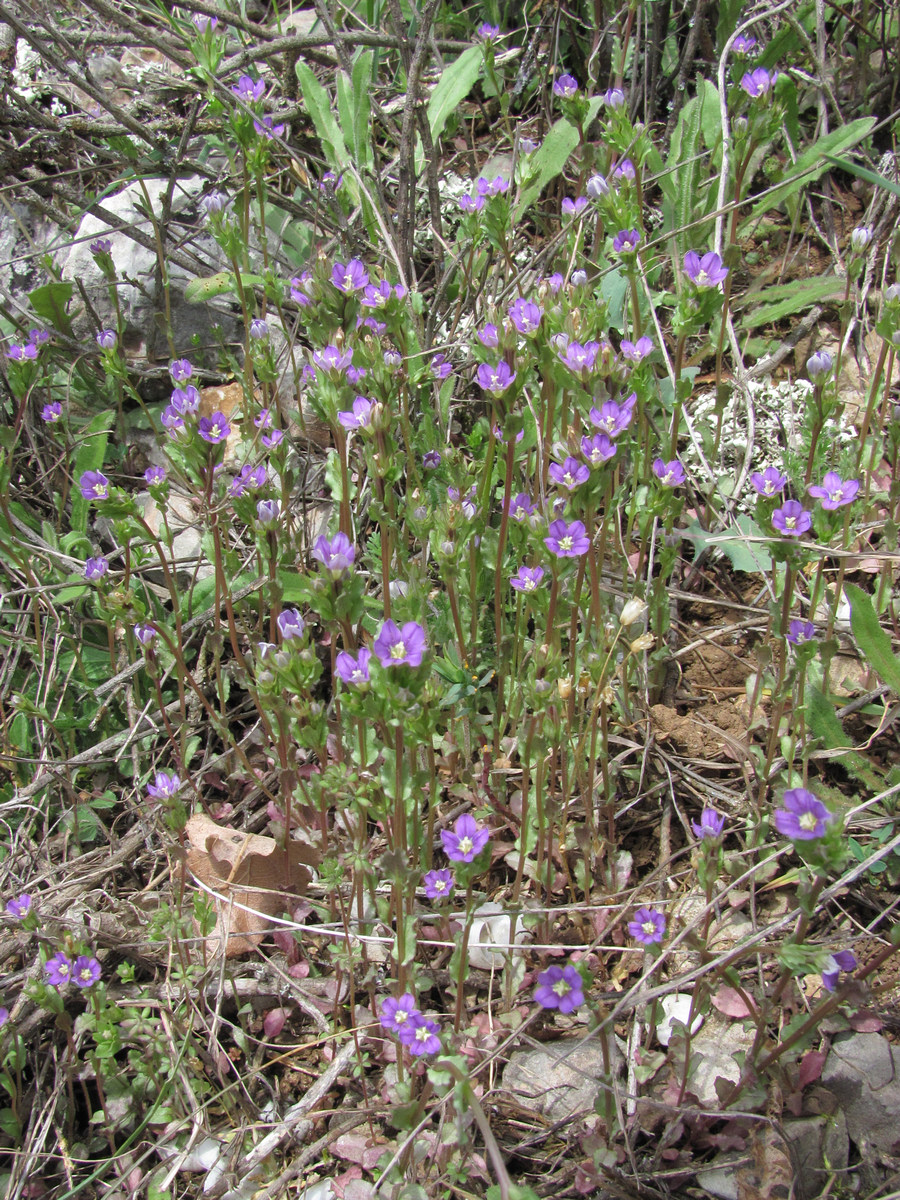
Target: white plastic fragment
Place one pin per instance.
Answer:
(676, 1007)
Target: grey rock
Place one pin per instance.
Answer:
(819, 1145)
(863, 1072)
(720, 1182)
(24, 236)
(713, 1052)
(141, 299)
(561, 1079)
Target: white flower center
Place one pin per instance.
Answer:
(398, 651)
(466, 845)
(649, 927)
(561, 988)
(565, 543)
(808, 820)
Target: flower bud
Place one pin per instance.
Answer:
(860, 238)
(633, 610)
(564, 687)
(644, 642)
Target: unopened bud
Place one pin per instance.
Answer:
(564, 687)
(633, 610)
(644, 642)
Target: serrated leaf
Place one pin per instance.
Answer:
(873, 642)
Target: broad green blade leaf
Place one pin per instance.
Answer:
(199, 290)
(552, 155)
(455, 83)
(50, 302)
(873, 642)
(863, 173)
(812, 164)
(787, 299)
(363, 78)
(744, 555)
(824, 724)
(318, 105)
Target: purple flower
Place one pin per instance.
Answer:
(834, 492)
(214, 429)
(573, 208)
(267, 512)
(273, 439)
(164, 786)
(528, 579)
(466, 841)
(624, 170)
(145, 634)
(94, 485)
(172, 420)
(860, 238)
(569, 474)
(800, 632)
(705, 272)
(185, 401)
(106, 339)
(495, 379)
(299, 289)
(489, 336)
(332, 360)
(214, 202)
(329, 183)
(290, 624)
(431, 460)
(259, 329)
(38, 336)
(154, 476)
(51, 413)
(614, 98)
(356, 375)
(579, 358)
(757, 83)
(579, 279)
(249, 479)
(648, 926)
(626, 241)
(95, 568)
(560, 987)
(397, 1013)
(710, 824)
(525, 315)
(612, 418)
(352, 670)
(743, 44)
(466, 500)
(360, 417)
(336, 556)
(58, 969)
(439, 367)
(85, 971)
(180, 370)
(844, 960)
(635, 351)
(803, 818)
(20, 907)
(202, 22)
(487, 32)
(567, 541)
(438, 884)
(598, 449)
(4, 1016)
(527, 145)
(554, 282)
(377, 295)
(769, 483)
(397, 647)
(20, 353)
(491, 187)
(350, 278)
(267, 129)
(597, 187)
(420, 1035)
(248, 89)
(498, 434)
(791, 519)
(471, 204)
(263, 419)
(100, 246)
(565, 87)
(669, 474)
(521, 506)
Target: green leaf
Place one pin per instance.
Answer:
(812, 164)
(456, 81)
(824, 724)
(844, 164)
(89, 457)
(874, 644)
(318, 105)
(552, 155)
(783, 300)
(199, 290)
(50, 302)
(744, 555)
(363, 76)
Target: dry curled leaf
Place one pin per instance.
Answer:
(250, 876)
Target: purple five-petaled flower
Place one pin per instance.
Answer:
(466, 841)
(180, 370)
(487, 32)
(792, 519)
(94, 485)
(635, 351)
(214, 429)
(336, 555)
(835, 492)
(598, 449)
(626, 241)
(757, 83)
(360, 416)
(613, 418)
(353, 670)
(528, 579)
(164, 786)
(561, 988)
(648, 926)
(768, 482)
(710, 824)
(267, 512)
(579, 358)
(705, 272)
(567, 541)
(669, 474)
(565, 87)
(95, 568)
(396, 647)
(20, 907)
(819, 364)
(521, 506)
(800, 632)
(248, 89)
(438, 884)
(524, 314)
(804, 817)
(58, 969)
(332, 361)
(574, 207)
(145, 635)
(106, 339)
(569, 474)
(495, 379)
(352, 277)
(290, 624)
(51, 413)
(397, 1012)
(85, 971)
(843, 960)
(420, 1035)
